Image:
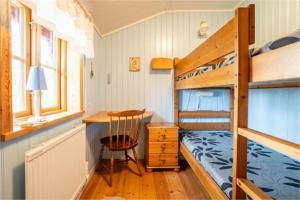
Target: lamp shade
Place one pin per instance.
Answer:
(36, 79)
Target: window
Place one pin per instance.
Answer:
(20, 42)
(35, 45)
(25, 43)
(52, 53)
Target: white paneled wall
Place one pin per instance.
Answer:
(275, 18)
(167, 35)
(275, 111)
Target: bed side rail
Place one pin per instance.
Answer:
(282, 146)
(219, 44)
(204, 125)
(216, 46)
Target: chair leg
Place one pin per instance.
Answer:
(136, 161)
(126, 156)
(101, 155)
(111, 167)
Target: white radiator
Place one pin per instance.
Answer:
(57, 169)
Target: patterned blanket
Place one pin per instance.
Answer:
(230, 58)
(276, 174)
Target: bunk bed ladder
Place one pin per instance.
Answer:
(241, 78)
(241, 186)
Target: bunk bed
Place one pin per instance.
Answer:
(226, 156)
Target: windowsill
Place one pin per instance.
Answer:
(51, 120)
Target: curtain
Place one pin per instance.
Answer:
(67, 19)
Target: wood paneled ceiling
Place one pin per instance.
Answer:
(112, 15)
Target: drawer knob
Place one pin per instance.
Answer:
(164, 136)
(163, 148)
(162, 162)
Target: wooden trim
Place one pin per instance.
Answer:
(204, 125)
(59, 71)
(6, 121)
(209, 184)
(219, 44)
(81, 74)
(285, 147)
(204, 114)
(53, 111)
(27, 57)
(241, 74)
(52, 121)
(221, 77)
(276, 65)
(64, 62)
(252, 190)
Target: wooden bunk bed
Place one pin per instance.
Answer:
(276, 68)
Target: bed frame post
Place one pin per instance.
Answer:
(241, 76)
(176, 95)
(231, 104)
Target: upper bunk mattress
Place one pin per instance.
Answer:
(276, 174)
(230, 58)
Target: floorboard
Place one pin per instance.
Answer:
(159, 184)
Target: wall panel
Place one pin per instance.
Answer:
(167, 35)
(275, 111)
(175, 35)
(275, 18)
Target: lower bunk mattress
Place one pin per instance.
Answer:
(276, 174)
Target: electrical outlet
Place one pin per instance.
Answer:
(108, 78)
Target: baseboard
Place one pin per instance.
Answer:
(85, 182)
(90, 174)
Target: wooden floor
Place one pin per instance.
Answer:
(156, 185)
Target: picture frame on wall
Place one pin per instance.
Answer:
(134, 64)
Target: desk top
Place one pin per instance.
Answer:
(102, 117)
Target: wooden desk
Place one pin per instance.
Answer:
(102, 117)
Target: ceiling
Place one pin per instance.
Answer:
(113, 15)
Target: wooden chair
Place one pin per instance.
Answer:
(122, 138)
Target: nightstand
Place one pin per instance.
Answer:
(162, 146)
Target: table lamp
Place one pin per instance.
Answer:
(36, 83)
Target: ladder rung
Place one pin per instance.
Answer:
(285, 147)
(251, 189)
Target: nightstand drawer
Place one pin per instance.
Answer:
(163, 134)
(163, 159)
(163, 147)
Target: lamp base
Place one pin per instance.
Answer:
(35, 120)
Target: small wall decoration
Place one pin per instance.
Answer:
(203, 29)
(134, 64)
(92, 71)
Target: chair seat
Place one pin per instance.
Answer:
(117, 144)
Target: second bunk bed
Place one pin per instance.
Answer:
(230, 159)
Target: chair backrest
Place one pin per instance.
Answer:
(127, 129)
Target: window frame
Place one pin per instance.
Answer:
(27, 53)
(9, 130)
(60, 64)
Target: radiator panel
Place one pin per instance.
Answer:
(57, 169)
